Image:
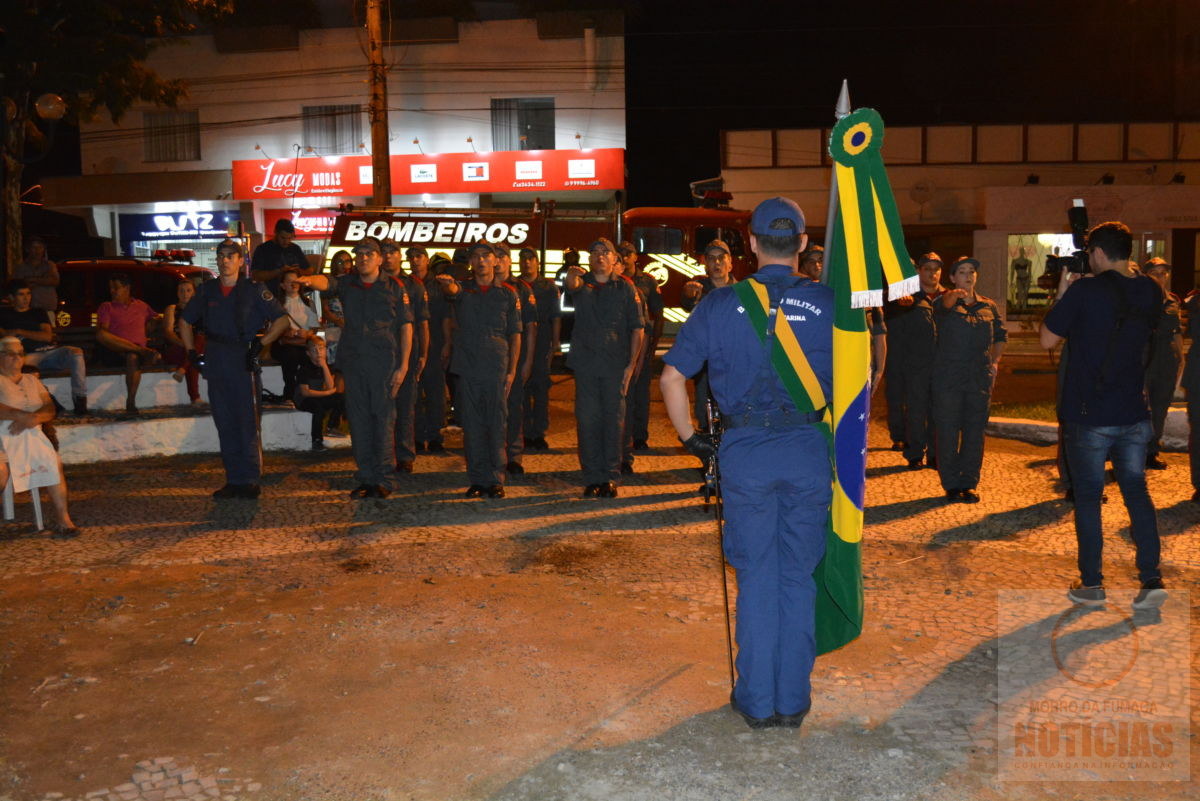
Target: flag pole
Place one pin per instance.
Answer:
(842, 109)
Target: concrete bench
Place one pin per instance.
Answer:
(106, 388)
(188, 431)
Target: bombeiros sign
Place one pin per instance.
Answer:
(438, 232)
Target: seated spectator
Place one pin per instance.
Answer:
(331, 305)
(121, 335)
(24, 406)
(32, 327)
(289, 350)
(174, 353)
(317, 392)
(42, 275)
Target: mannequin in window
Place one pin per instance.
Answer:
(1022, 271)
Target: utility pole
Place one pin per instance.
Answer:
(381, 168)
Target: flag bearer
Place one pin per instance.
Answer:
(774, 458)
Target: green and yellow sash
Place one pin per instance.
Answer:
(787, 357)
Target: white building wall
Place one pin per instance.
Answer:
(438, 93)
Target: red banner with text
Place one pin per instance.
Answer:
(441, 173)
(309, 223)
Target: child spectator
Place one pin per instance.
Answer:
(317, 392)
(174, 353)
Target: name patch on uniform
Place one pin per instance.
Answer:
(804, 304)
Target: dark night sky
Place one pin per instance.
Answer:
(696, 68)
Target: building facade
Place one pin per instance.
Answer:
(290, 102)
(1001, 192)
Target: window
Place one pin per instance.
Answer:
(171, 135)
(523, 123)
(658, 239)
(730, 236)
(333, 130)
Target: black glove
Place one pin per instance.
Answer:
(196, 360)
(700, 445)
(252, 350)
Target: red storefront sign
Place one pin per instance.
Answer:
(442, 173)
(309, 223)
(302, 177)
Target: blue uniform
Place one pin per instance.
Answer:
(406, 398)
(368, 356)
(775, 479)
(515, 438)
(230, 323)
(606, 317)
(537, 389)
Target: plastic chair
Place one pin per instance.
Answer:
(34, 497)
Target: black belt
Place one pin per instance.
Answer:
(773, 419)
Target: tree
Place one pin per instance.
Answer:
(92, 53)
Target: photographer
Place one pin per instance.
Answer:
(1107, 321)
(232, 309)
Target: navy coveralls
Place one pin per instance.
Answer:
(485, 318)
(368, 356)
(700, 380)
(1163, 370)
(515, 439)
(230, 324)
(406, 398)
(1191, 384)
(639, 404)
(775, 479)
(537, 389)
(431, 391)
(962, 387)
(908, 374)
(638, 370)
(606, 315)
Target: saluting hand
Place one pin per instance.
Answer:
(907, 300)
(692, 289)
(952, 296)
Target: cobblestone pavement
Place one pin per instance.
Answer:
(592, 635)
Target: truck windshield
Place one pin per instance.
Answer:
(730, 236)
(658, 239)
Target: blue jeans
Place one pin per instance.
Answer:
(63, 358)
(1087, 448)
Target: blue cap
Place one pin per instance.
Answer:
(776, 208)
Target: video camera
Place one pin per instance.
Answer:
(1077, 262)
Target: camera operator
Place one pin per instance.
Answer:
(1107, 320)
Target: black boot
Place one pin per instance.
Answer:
(80, 405)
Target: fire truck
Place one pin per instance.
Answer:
(670, 241)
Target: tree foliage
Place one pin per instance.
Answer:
(92, 53)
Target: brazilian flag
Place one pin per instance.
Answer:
(867, 248)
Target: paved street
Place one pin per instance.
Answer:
(540, 646)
